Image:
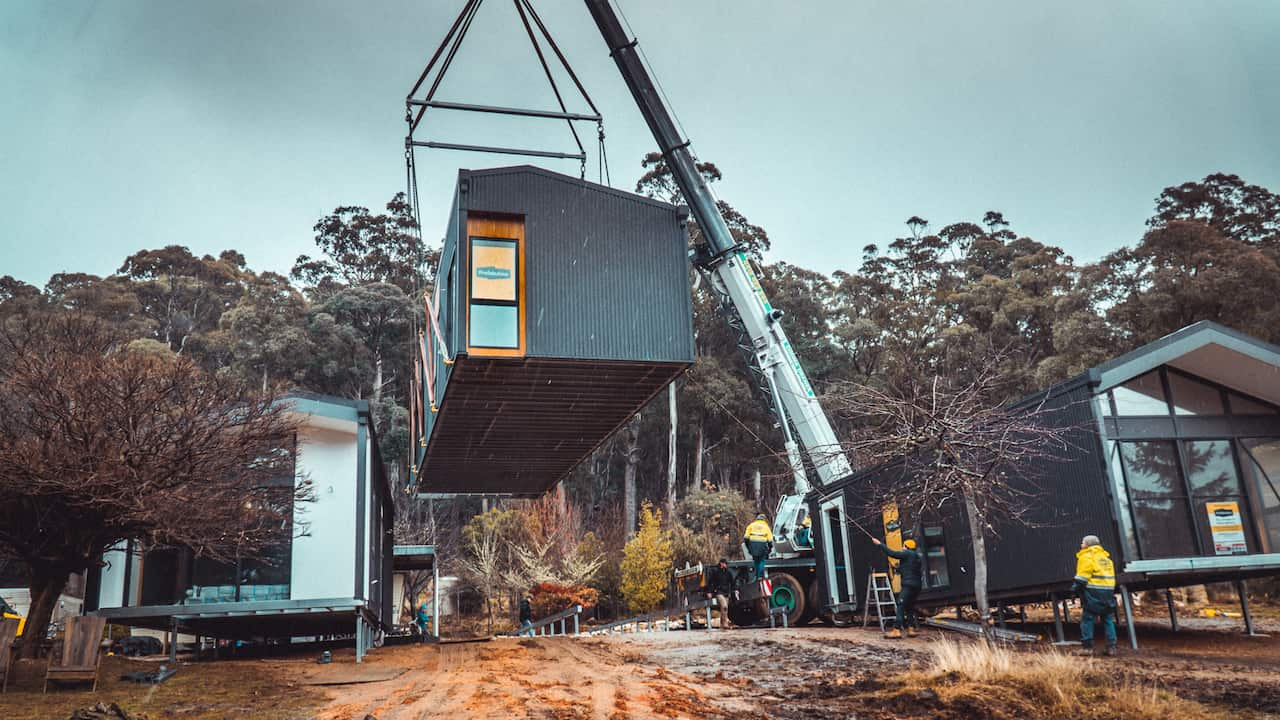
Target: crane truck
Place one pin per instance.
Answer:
(724, 264)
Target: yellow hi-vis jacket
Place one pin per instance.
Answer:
(1094, 568)
(758, 530)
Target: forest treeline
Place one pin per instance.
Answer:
(342, 321)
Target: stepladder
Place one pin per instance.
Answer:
(880, 596)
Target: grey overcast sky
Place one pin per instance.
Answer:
(129, 124)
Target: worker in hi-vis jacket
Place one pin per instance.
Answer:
(911, 575)
(759, 540)
(1095, 585)
(804, 534)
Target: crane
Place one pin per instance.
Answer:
(726, 265)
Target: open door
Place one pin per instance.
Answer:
(838, 566)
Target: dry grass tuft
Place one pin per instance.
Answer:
(999, 681)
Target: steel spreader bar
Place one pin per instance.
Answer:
(498, 150)
(499, 110)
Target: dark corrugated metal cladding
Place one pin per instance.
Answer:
(607, 271)
(1072, 499)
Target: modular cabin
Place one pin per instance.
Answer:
(331, 576)
(561, 308)
(1174, 463)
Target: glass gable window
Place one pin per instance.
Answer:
(1241, 405)
(1194, 484)
(1143, 395)
(1192, 397)
(1260, 460)
(1218, 496)
(1159, 499)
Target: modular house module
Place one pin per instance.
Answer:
(561, 307)
(333, 578)
(1174, 464)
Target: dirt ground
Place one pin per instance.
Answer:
(811, 672)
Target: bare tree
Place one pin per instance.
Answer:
(102, 441)
(946, 442)
(483, 563)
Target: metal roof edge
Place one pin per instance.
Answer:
(1179, 343)
(580, 182)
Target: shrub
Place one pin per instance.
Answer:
(550, 598)
(646, 563)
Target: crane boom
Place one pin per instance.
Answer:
(729, 269)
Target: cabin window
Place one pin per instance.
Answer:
(494, 309)
(1192, 397)
(1260, 459)
(1158, 497)
(935, 557)
(1143, 395)
(1241, 405)
(1218, 497)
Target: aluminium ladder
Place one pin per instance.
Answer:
(879, 594)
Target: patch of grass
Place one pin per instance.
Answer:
(242, 689)
(964, 679)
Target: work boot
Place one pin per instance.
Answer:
(1084, 651)
(1110, 651)
(911, 632)
(894, 633)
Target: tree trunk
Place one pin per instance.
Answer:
(377, 378)
(755, 485)
(979, 559)
(629, 476)
(46, 586)
(671, 453)
(697, 460)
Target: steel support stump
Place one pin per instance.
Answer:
(1057, 619)
(1242, 591)
(1128, 616)
(173, 641)
(1173, 613)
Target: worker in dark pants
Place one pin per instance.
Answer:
(526, 616)
(804, 535)
(759, 540)
(720, 587)
(911, 576)
(1095, 585)
(424, 620)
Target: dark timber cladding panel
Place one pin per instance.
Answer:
(607, 271)
(517, 426)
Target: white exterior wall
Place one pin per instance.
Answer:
(111, 590)
(324, 560)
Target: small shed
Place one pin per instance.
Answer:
(1174, 464)
(562, 306)
(334, 579)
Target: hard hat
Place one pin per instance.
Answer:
(761, 516)
(909, 544)
(808, 521)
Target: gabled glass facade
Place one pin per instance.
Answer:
(1197, 465)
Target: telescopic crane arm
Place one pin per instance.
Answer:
(728, 268)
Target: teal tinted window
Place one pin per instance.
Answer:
(495, 326)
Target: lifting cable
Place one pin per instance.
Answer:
(448, 50)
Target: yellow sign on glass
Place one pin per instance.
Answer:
(493, 270)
